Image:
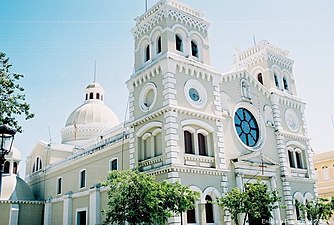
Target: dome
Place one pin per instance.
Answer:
(90, 119)
(14, 188)
(92, 112)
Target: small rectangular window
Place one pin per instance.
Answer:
(113, 164)
(59, 185)
(81, 218)
(83, 179)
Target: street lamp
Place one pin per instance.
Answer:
(6, 141)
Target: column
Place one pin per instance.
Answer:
(67, 209)
(94, 206)
(277, 215)
(240, 185)
(47, 212)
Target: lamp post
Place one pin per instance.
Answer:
(6, 141)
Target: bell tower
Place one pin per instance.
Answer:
(270, 65)
(174, 91)
(170, 27)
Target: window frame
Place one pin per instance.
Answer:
(110, 164)
(79, 210)
(81, 185)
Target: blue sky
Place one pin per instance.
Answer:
(55, 43)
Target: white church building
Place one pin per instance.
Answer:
(209, 130)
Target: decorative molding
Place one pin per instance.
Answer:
(29, 202)
(178, 109)
(295, 136)
(190, 169)
(172, 10)
(264, 51)
(299, 180)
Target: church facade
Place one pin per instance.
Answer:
(209, 130)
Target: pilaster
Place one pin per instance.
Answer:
(67, 209)
(94, 206)
(47, 212)
(282, 159)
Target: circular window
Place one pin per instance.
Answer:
(291, 120)
(246, 127)
(195, 93)
(147, 97)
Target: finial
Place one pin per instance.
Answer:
(145, 5)
(254, 39)
(95, 72)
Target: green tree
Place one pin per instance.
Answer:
(255, 202)
(316, 210)
(12, 98)
(137, 198)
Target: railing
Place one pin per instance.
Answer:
(151, 163)
(260, 46)
(296, 172)
(199, 160)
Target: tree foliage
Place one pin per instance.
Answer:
(137, 198)
(255, 201)
(318, 209)
(12, 98)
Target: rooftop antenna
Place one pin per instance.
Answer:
(95, 71)
(145, 5)
(49, 134)
(254, 39)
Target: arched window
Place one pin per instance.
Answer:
(298, 211)
(259, 78)
(194, 49)
(285, 84)
(147, 53)
(299, 160)
(291, 158)
(276, 80)
(191, 216)
(188, 142)
(159, 45)
(97, 95)
(6, 167)
(209, 210)
(178, 43)
(38, 165)
(15, 168)
(91, 95)
(86, 96)
(202, 145)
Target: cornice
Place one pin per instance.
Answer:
(178, 109)
(294, 136)
(185, 169)
(299, 180)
